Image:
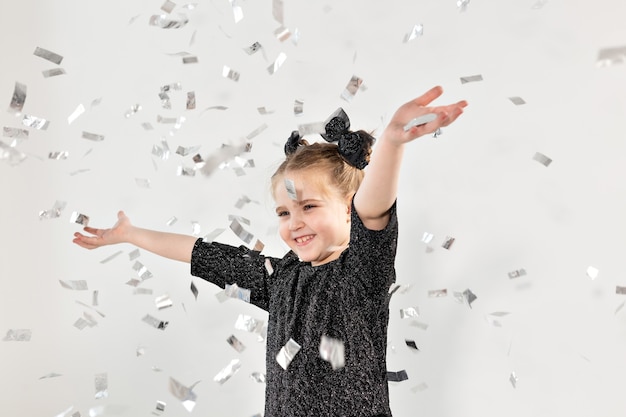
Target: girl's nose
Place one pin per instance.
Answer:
(295, 222)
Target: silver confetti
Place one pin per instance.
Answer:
(295, 38)
(142, 271)
(58, 155)
(438, 293)
(111, 257)
(132, 110)
(194, 290)
(234, 291)
(418, 30)
(248, 324)
(93, 136)
(620, 290)
(164, 21)
(252, 49)
(258, 377)
(238, 229)
(50, 375)
(17, 335)
(264, 111)
(409, 313)
(227, 72)
(54, 212)
(542, 159)
(142, 182)
(471, 78)
(517, 273)
(420, 387)
(79, 218)
(18, 98)
(332, 350)
(53, 72)
(268, 267)
(142, 291)
(256, 132)
(236, 343)
(437, 133)
(237, 10)
(79, 285)
(183, 171)
(11, 155)
(147, 126)
(311, 128)
(287, 353)
(611, 56)
(228, 371)
(134, 254)
(351, 89)
(518, 101)
(154, 322)
(539, 4)
(50, 56)
(291, 189)
(447, 243)
(513, 379)
(421, 120)
(278, 62)
(163, 301)
(298, 107)
(282, 33)
(209, 237)
(462, 4)
(398, 376)
(195, 228)
(427, 237)
(168, 6)
(469, 297)
(190, 59)
(171, 221)
(191, 100)
(14, 133)
(101, 386)
(183, 393)
(94, 298)
(160, 407)
(278, 10)
(35, 122)
(592, 272)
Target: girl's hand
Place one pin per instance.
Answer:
(102, 237)
(395, 132)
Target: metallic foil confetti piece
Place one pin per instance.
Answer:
(184, 394)
(611, 56)
(11, 155)
(290, 186)
(333, 351)
(168, 6)
(234, 291)
(67, 412)
(411, 344)
(91, 322)
(258, 377)
(513, 379)
(462, 4)
(255, 132)
(592, 272)
(79, 218)
(54, 212)
(183, 171)
(239, 219)
(227, 72)
(311, 128)
(91, 308)
(287, 353)
(238, 229)
(53, 72)
(236, 343)
(35, 122)
(51, 375)
(182, 151)
(58, 155)
(81, 323)
(209, 237)
(620, 290)
(438, 293)
(351, 89)
(437, 133)
(237, 10)
(79, 285)
(142, 271)
(164, 21)
(278, 62)
(397, 376)
(282, 33)
(102, 385)
(228, 371)
(539, 4)
(417, 31)
(190, 59)
(171, 221)
(166, 120)
(517, 273)
(295, 38)
(409, 313)
(163, 301)
(14, 133)
(17, 335)
(142, 182)
(243, 200)
(94, 298)
(419, 387)
(160, 408)
(154, 322)
(111, 257)
(469, 297)
(18, 98)
(253, 49)
(471, 79)
(542, 159)
(619, 307)
(80, 109)
(278, 10)
(143, 291)
(298, 107)
(518, 101)
(134, 254)
(258, 246)
(248, 324)
(147, 126)
(48, 55)
(420, 325)
(195, 228)
(427, 237)
(194, 290)
(447, 243)
(268, 267)
(264, 111)
(421, 120)
(93, 136)
(132, 110)
(191, 100)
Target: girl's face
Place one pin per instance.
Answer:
(316, 225)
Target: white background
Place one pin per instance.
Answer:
(564, 336)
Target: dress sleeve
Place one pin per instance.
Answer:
(374, 251)
(224, 264)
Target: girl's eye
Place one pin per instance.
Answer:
(308, 207)
(283, 213)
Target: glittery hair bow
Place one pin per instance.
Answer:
(354, 147)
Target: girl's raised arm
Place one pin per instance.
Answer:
(169, 245)
(378, 190)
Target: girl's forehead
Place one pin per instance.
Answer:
(306, 183)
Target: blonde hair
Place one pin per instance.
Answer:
(323, 158)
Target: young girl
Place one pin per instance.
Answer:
(341, 227)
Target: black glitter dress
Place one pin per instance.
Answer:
(346, 299)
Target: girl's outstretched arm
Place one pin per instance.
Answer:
(379, 188)
(169, 245)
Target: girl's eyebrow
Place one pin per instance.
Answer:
(300, 203)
